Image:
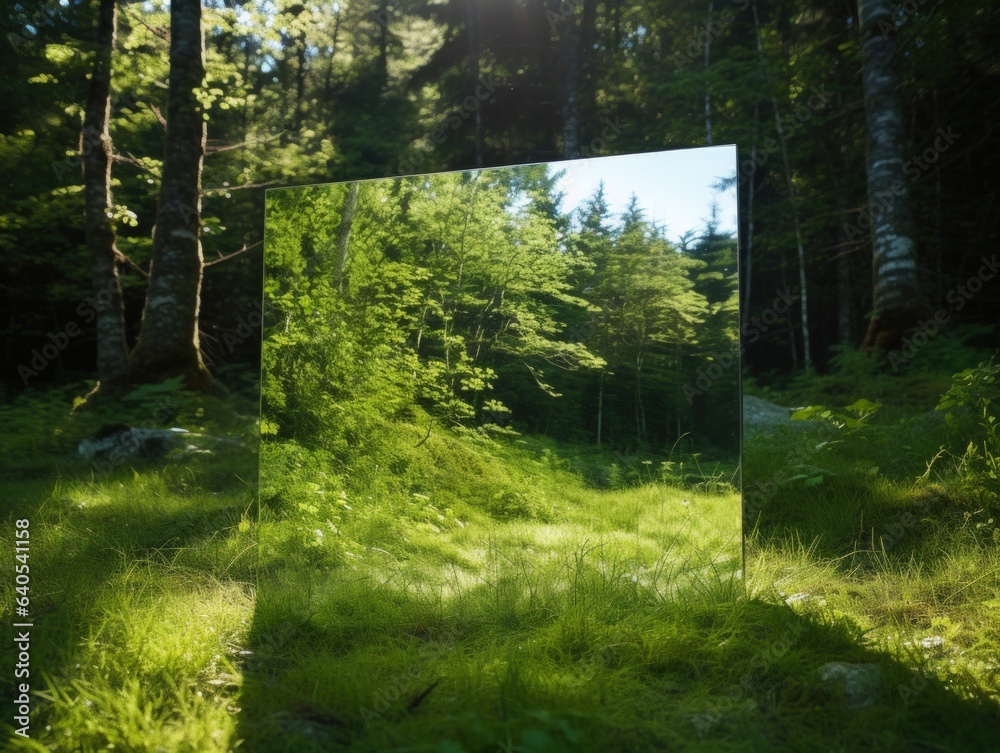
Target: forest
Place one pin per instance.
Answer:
(309, 444)
(476, 297)
(295, 94)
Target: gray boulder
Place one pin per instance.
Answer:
(860, 685)
(763, 417)
(120, 443)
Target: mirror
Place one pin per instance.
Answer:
(500, 418)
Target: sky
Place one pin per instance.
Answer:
(673, 187)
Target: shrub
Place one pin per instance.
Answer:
(970, 406)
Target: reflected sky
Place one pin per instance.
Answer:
(674, 188)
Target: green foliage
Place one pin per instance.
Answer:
(970, 407)
(852, 374)
(841, 418)
(455, 296)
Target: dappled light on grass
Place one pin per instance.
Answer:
(900, 536)
(540, 619)
(142, 594)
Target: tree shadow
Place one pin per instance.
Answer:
(88, 538)
(363, 668)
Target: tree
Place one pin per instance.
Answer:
(899, 301)
(648, 308)
(790, 183)
(572, 44)
(112, 350)
(344, 233)
(168, 339)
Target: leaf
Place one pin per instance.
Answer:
(807, 413)
(863, 406)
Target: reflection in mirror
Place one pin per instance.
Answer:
(501, 437)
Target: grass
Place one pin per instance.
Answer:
(466, 595)
(900, 532)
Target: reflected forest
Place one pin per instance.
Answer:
(473, 302)
(479, 408)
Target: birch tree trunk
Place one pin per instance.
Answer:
(898, 300)
(112, 350)
(168, 339)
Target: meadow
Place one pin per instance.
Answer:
(506, 594)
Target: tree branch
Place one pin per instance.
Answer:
(902, 45)
(122, 258)
(224, 189)
(229, 147)
(159, 115)
(129, 159)
(227, 257)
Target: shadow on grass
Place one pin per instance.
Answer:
(98, 542)
(343, 661)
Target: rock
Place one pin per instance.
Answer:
(795, 598)
(860, 685)
(118, 443)
(762, 417)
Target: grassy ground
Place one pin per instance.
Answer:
(460, 595)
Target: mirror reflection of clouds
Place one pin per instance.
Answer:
(674, 188)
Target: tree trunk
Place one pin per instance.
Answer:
(344, 234)
(168, 339)
(899, 301)
(300, 80)
(112, 350)
(640, 411)
(803, 290)
(842, 261)
(708, 96)
(600, 408)
(573, 57)
(382, 60)
(472, 19)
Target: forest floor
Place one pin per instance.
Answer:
(509, 607)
